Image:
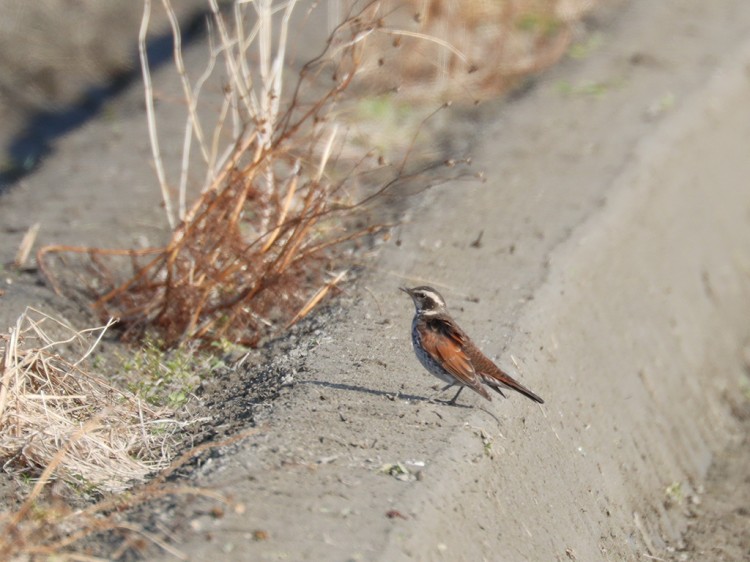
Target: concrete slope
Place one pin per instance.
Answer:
(634, 338)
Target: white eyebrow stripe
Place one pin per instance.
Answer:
(435, 297)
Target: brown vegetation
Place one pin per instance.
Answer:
(253, 251)
(470, 50)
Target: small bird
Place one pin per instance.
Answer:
(446, 351)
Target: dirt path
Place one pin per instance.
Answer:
(612, 275)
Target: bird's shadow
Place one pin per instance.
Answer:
(374, 392)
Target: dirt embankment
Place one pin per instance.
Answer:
(612, 274)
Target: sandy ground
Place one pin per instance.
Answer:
(612, 277)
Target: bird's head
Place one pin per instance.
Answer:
(426, 300)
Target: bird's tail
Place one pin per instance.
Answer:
(497, 383)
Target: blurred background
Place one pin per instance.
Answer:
(60, 60)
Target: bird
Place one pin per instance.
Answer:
(445, 350)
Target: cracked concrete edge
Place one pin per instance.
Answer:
(638, 332)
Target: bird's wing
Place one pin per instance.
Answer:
(444, 340)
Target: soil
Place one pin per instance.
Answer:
(720, 517)
(350, 458)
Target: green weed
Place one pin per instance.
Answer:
(165, 378)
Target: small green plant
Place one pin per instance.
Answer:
(544, 24)
(588, 88)
(744, 384)
(26, 479)
(84, 486)
(398, 471)
(225, 346)
(486, 442)
(674, 494)
(163, 378)
(583, 49)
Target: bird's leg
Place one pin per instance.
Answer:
(452, 402)
(439, 392)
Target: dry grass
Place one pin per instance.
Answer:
(469, 50)
(60, 424)
(44, 527)
(78, 441)
(50, 402)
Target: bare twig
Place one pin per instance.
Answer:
(152, 130)
(24, 249)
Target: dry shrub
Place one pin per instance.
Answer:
(469, 49)
(258, 247)
(51, 402)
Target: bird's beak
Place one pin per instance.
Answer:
(405, 290)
